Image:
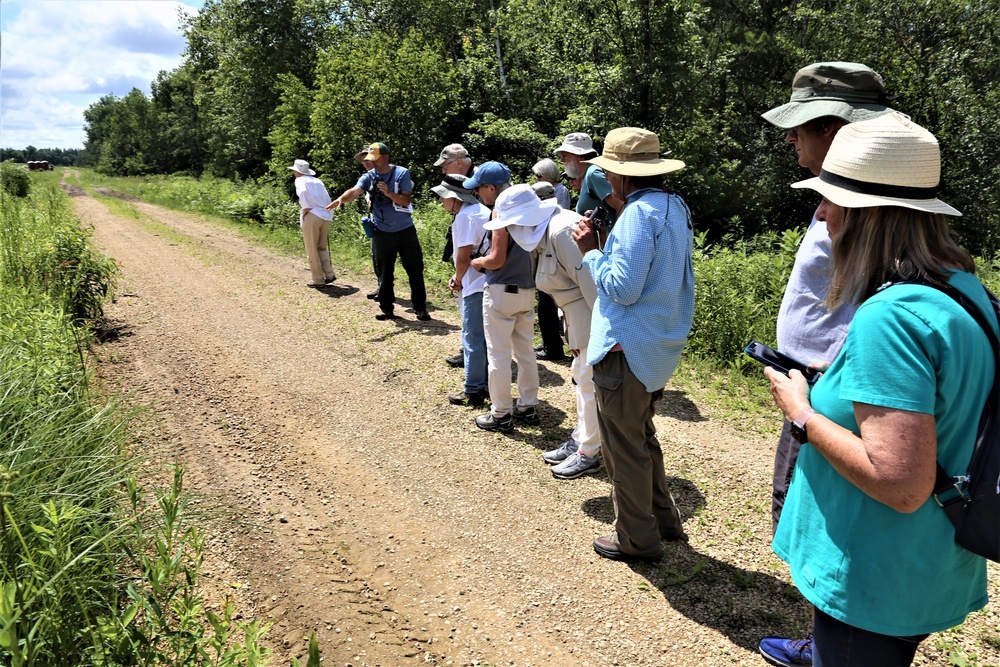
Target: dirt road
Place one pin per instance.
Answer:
(362, 506)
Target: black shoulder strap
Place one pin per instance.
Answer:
(945, 483)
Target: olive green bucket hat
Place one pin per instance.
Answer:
(850, 91)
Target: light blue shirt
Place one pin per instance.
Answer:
(645, 286)
(807, 331)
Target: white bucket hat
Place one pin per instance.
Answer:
(520, 209)
(302, 167)
(885, 161)
(631, 151)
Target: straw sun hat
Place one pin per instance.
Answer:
(886, 161)
(630, 151)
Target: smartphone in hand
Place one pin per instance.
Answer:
(779, 361)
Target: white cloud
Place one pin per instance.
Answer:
(56, 53)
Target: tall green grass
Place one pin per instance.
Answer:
(94, 569)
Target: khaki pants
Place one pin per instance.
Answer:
(509, 323)
(645, 512)
(315, 233)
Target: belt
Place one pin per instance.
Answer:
(511, 289)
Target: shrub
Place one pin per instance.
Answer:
(14, 179)
(738, 290)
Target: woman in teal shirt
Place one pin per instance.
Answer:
(866, 542)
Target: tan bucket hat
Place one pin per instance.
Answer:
(885, 161)
(631, 151)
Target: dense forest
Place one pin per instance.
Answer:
(64, 157)
(267, 81)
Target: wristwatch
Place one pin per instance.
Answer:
(798, 427)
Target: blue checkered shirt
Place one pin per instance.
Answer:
(645, 286)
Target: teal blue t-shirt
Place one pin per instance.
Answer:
(911, 348)
(594, 189)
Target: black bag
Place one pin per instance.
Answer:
(972, 501)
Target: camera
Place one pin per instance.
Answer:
(601, 220)
(375, 193)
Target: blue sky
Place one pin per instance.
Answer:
(59, 56)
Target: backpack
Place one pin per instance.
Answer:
(972, 500)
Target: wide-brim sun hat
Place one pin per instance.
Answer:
(632, 151)
(519, 205)
(850, 91)
(302, 167)
(886, 161)
(451, 188)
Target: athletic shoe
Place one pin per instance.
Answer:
(528, 415)
(576, 465)
(784, 652)
(561, 453)
(488, 422)
(458, 361)
(462, 398)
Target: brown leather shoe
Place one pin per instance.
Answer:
(607, 547)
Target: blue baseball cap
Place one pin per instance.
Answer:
(488, 173)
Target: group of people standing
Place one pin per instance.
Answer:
(905, 371)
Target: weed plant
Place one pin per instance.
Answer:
(94, 569)
(45, 252)
(738, 289)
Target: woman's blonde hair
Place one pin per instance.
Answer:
(882, 244)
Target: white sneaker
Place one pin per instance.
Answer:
(576, 465)
(561, 453)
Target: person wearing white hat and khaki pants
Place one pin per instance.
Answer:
(315, 222)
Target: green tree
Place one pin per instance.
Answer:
(398, 91)
(290, 136)
(182, 138)
(238, 49)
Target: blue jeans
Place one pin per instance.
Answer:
(474, 343)
(837, 644)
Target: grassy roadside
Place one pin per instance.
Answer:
(95, 569)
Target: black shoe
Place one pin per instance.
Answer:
(545, 355)
(423, 315)
(462, 398)
(386, 316)
(372, 295)
(529, 416)
(458, 361)
(607, 547)
(488, 422)
(330, 279)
